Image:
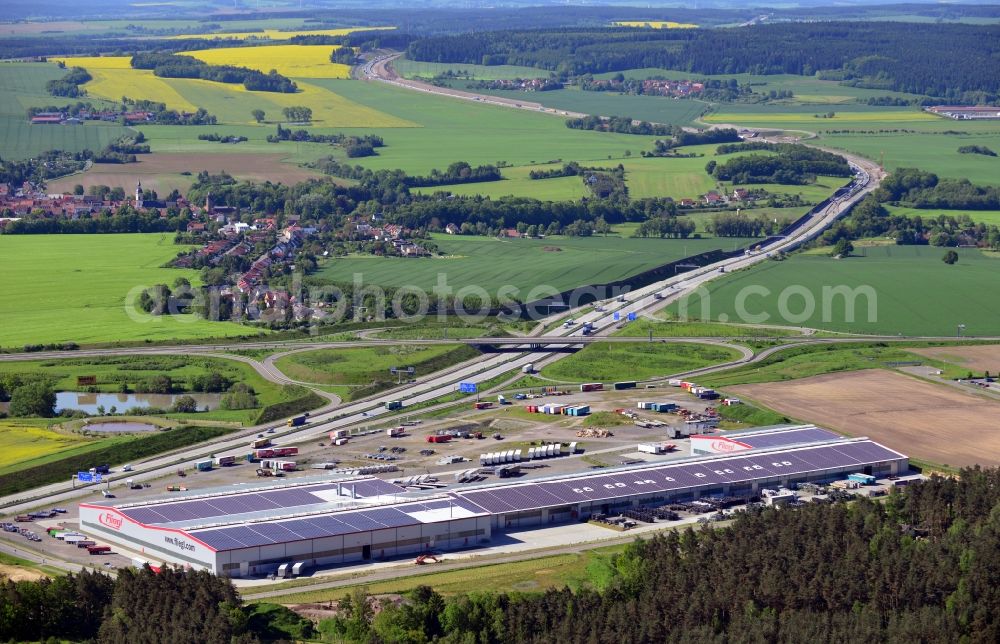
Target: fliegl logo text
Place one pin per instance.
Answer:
(110, 520)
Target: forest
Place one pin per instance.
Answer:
(172, 66)
(919, 567)
(951, 61)
(921, 189)
(790, 164)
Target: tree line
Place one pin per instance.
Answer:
(69, 85)
(168, 65)
(941, 60)
(791, 164)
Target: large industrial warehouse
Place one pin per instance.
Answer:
(254, 531)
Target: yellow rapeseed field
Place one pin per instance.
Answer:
(23, 442)
(294, 61)
(657, 24)
(230, 103)
(275, 34)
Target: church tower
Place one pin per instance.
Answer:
(138, 194)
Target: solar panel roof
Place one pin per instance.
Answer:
(260, 500)
(792, 436)
(745, 467)
(329, 525)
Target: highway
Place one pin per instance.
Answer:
(646, 299)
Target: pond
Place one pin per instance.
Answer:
(112, 427)
(87, 402)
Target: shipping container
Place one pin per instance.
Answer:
(223, 461)
(266, 452)
(438, 439)
(628, 384)
(340, 441)
(863, 479)
(203, 466)
(395, 432)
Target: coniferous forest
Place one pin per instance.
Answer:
(942, 60)
(920, 566)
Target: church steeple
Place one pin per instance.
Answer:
(138, 193)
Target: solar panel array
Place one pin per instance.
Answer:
(729, 470)
(329, 525)
(249, 502)
(764, 440)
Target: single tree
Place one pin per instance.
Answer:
(950, 257)
(842, 248)
(258, 115)
(33, 399)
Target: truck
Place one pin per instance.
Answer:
(98, 550)
(588, 328)
(395, 432)
(225, 461)
(297, 421)
(392, 405)
(340, 441)
(258, 454)
(628, 384)
(434, 438)
(102, 469)
(285, 451)
(482, 405)
(339, 433)
(528, 368)
(592, 386)
(260, 442)
(501, 400)
(203, 466)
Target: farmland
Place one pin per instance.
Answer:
(892, 408)
(517, 182)
(418, 69)
(900, 277)
(22, 85)
(656, 24)
(558, 262)
(274, 34)
(975, 358)
(163, 172)
(114, 78)
(604, 362)
(58, 292)
(27, 440)
(294, 61)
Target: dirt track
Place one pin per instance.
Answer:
(920, 419)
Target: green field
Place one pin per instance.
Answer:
(644, 327)
(417, 69)
(935, 152)
(27, 440)
(611, 361)
(900, 279)
(978, 216)
(517, 182)
(524, 263)
(74, 288)
(361, 371)
(22, 85)
(656, 109)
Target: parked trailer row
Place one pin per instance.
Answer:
(545, 451)
(498, 458)
(557, 410)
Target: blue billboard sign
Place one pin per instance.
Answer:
(468, 387)
(616, 316)
(631, 317)
(87, 477)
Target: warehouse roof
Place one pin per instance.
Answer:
(671, 477)
(783, 436)
(227, 504)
